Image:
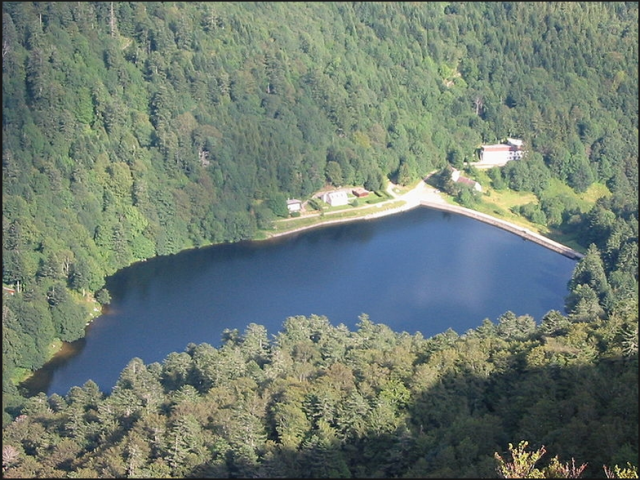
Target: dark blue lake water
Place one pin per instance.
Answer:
(419, 271)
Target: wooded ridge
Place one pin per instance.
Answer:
(137, 129)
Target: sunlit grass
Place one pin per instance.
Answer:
(595, 192)
(506, 199)
(570, 240)
(338, 213)
(584, 200)
(497, 203)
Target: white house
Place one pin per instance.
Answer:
(294, 205)
(500, 154)
(456, 177)
(336, 198)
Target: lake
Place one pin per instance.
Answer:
(419, 271)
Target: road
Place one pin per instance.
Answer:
(427, 196)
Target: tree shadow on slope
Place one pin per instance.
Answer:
(314, 404)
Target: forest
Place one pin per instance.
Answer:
(140, 129)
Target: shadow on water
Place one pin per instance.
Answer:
(162, 304)
(41, 379)
(439, 409)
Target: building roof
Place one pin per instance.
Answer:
(466, 181)
(512, 144)
(339, 193)
(497, 148)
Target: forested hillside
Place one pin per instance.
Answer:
(136, 129)
(322, 401)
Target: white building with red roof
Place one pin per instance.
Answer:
(500, 154)
(457, 178)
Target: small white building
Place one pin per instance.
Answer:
(500, 154)
(335, 199)
(294, 205)
(456, 177)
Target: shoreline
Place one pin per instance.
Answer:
(421, 197)
(510, 227)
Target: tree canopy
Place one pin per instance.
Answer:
(135, 129)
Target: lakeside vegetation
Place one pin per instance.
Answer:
(502, 204)
(356, 209)
(499, 204)
(134, 129)
(319, 400)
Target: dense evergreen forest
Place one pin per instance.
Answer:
(136, 129)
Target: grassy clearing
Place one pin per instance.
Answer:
(584, 200)
(493, 202)
(500, 209)
(400, 190)
(594, 192)
(499, 204)
(506, 199)
(335, 213)
(570, 240)
(374, 197)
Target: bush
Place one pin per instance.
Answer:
(103, 297)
